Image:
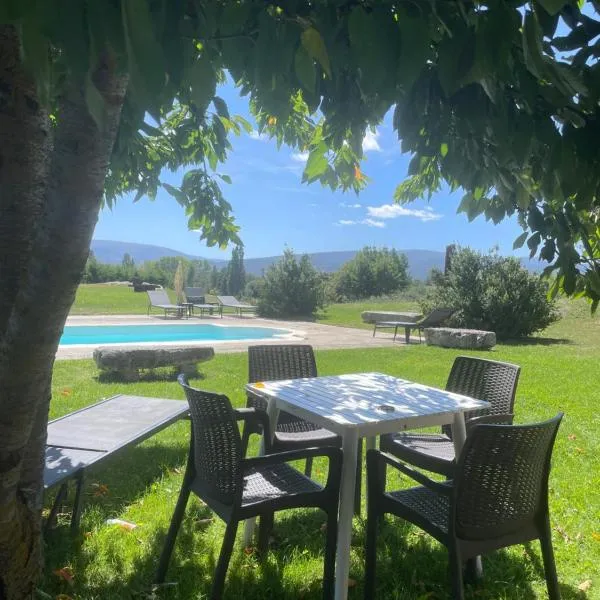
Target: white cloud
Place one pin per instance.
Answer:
(393, 211)
(262, 137)
(367, 222)
(370, 143)
(300, 156)
(346, 205)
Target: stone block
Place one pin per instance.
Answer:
(126, 361)
(468, 339)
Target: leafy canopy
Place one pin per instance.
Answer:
(497, 98)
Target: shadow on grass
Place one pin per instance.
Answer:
(409, 566)
(541, 341)
(146, 375)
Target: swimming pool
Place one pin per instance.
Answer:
(120, 334)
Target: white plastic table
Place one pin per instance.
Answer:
(363, 405)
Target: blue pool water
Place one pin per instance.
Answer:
(118, 334)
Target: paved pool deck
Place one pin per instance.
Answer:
(318, 335)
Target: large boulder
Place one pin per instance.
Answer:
(374, 316)
(125, 361)
(468, 339)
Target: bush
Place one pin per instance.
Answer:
(493, 293)
(372, 272)
(291, 288)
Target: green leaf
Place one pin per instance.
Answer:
(552, 7)
(415, 48)
(518, 243)
(532, 46)
(176, 193)
(144, 52)
(305, 69)
(225, 178)
(316, 165)
(444, 149)
(315, 46)
(95, 103)
(204, 84)
(221, 107)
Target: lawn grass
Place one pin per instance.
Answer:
(103, 299)
(348, 314)
(559, 373)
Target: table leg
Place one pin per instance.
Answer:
(350, 448)
(273, 414)
(459, 436)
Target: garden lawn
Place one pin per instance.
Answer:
(559, 373)
(103, 299)
(348, 314)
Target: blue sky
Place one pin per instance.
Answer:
(274, 209)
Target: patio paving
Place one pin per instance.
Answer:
(318, 335)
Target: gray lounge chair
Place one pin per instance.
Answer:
(433, 319)
(196, 298)
(233, 302)
(160, 299)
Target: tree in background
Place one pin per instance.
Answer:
(178, 281)
(128, 265)
(236, 273)
(291, 288)
(493, 293)
(372, 272)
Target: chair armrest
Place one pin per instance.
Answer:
(330, 452)
(260, 417)
(377, 461)
(503, 419)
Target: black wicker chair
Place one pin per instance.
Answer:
(238, 488)
(479, 378)
(271, 363)
(499, 498)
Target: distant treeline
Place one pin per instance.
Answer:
(198, 273)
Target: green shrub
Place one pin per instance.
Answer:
(493, 293)
(291, 288)
(372, 272)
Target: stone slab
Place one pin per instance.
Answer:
(374, 316)
(467, 339)
(126, 360)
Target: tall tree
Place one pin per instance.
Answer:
(97, 97)
(236, 273)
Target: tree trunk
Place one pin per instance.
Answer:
(49, 205)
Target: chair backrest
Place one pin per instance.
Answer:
(194, 294)
(156, 297)
(291, 361)
(436, 316)
(229, 300)
(482, 379)
(501, 483)
(217, 444)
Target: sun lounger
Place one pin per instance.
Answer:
(433, 319)
(233, 302)
(160, 299)
(92, 434)
(196, 298)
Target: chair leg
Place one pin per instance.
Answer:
(407, 335)
(78, 503)
(264, 532)
(549, 563)
(373, 519)
(308, 466)
(163, 563)
(245, 439)
(358, 486)
(330, 550)
(216, 591)
(456, 573)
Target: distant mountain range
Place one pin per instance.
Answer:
(420, 262)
